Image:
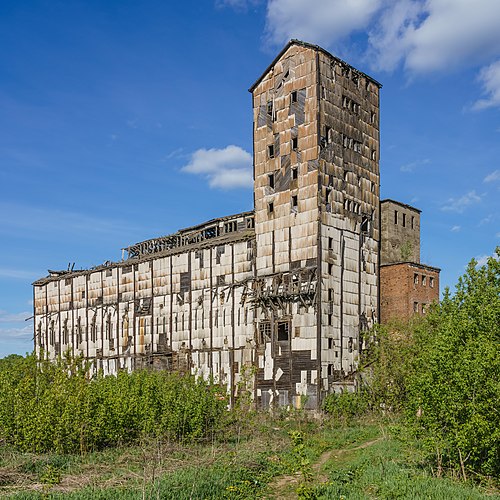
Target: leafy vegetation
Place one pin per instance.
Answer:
(426, 413)
(53, 407)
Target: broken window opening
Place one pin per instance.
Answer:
(271, 181)
(282, 331)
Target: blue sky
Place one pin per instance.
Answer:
(125, 120)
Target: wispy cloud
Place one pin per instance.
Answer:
(7, 317)
(490, 81)
(460, 204)
(411, 167)
(21, 274)
(455, 229)
(226, 168)
(238, 5)
(482, 260)
(43, 223)
(493, 177)
(25, 332)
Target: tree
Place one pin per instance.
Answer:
(453, 389)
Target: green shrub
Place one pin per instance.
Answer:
(53, 407)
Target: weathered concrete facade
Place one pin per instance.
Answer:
(407, 287)
(275, 298)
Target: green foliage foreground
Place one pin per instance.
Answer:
(443, 373)
(53, 407)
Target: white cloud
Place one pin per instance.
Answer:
(6, 317)
(455, 229)
(423, 35)
(494, 176)
(240, 5)
(226, 168)
(317, 21)
(482, 260)
(411, 167)
(490, 80)
(25, 332)
(460, 204)
(19, 274)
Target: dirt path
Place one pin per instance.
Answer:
(283, 487)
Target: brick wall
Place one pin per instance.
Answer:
(407, 289)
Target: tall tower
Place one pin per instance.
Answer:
(316, 189)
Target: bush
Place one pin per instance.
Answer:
(345, 404)
(47, 407)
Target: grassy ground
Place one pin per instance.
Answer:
(259, 457)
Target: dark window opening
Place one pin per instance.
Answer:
(415, 279)
(330, 294)
(350, 344)
(415, 306)
(404, 220)
(295, 201)
(365, 225)
(270, 150)
(271, 181)
(413, 222)
(331, 343)
(395, 216)
(282, 331)
(330, 268)
(330, 319)
(431, 282)
(330, 243)
(323, 92)
(270, 207)
(270, 108)
(328, 134)
(330, 370)
(295, 173)
(295, 143)
(293, 96)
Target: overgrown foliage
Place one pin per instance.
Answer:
(443, 372)
(54, 407)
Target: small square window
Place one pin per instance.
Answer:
(295, 143)
(293, 96)
(270, 150)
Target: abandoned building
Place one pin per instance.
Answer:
(406, 286)
(276, 297)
